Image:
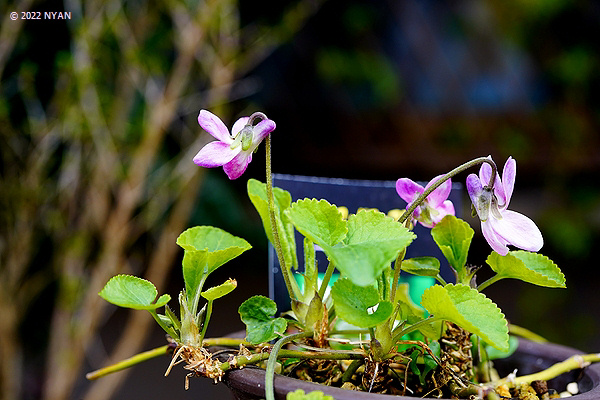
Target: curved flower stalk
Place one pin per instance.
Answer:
(231, 151)
(435, 207)
(500, 226)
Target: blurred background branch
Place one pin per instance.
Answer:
(96, 158)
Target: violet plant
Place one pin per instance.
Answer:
(368, 249)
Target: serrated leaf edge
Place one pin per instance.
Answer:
(546, 258)
(156, 303)
(487, 300)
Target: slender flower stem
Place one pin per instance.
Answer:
(254, 116)
(326, 279)
(270, 370)
(397, 269)
(129, 362)
(487, 283)
(444, 178)
(285, 271)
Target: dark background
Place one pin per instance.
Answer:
(358, 89)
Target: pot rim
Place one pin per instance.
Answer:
(251, 379)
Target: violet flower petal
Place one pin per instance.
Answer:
(236, 167)
(446, 208)
(239, 125)
(518, 230)
(474, 188)
(408, 190)
(261, 130)
(215, 154)
(508, 181)
(213, 125)
(496, 242)
(439, 195)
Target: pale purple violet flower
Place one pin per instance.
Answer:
(434, 208)
(232, 151)
(499, 225)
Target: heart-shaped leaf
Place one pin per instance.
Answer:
(257, 192)
(319, 221)
(359, 305)
(372, 243)
(133, 292)
(195, 271)
(206, 249)
(372, 226)
(527, 266)
(219, 291)
(362, 263)
(423, 266)
(470, 310)
(453, 236)
(257, 313)
(220, 245)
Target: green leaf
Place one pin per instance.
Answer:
(257, 192)
(133, 292)
(372, 226)
(423, 266)
(299, 394)
(195, 271)
(429, 364)
(453, 236)
(372, 243)
(314, 312)
(527, 266)
(319, 221)
(206, 249)
(356, 304)
(257, 313)
(220, 245)
(219, 291)
(470, 310)
(361, 263)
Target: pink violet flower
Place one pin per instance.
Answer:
(500, 226)
(231, 151)
(434, 208)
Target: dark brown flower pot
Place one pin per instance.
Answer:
(249, 382)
